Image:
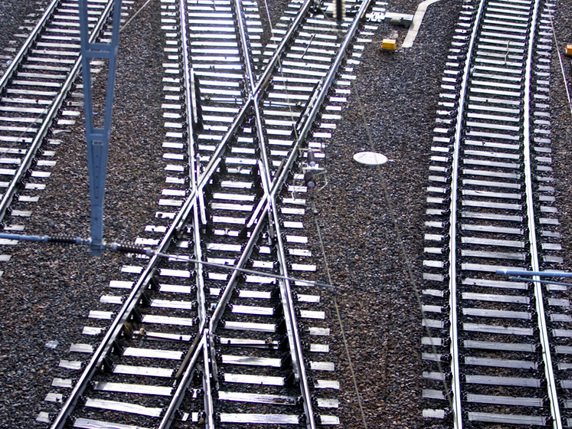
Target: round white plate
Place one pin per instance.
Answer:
(370, 158)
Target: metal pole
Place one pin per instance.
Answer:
(98, 137)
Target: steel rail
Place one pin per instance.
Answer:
(282, 175)
(296, 350)
(279, 181)
(189, 204)
(118, 323)
(191, 358)
(306, 126)
(124, 313)
(37, 142)
(206, 337)
(539, 304)
(116, 327)
(455, 401)
(532, 233)
(16, 62)
(313, 109)
(180, 219)
(252, 94)
(261, 86)
(179, 395)
(192, 154)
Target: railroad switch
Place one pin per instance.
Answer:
(388, 45)
(568, 50)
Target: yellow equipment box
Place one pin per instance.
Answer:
(568, 50)
(389, 45)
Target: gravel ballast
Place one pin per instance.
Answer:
(47, 291)
(17, 19)
(370, 218)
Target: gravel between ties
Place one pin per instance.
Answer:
(47, 291)
(561, 131)
(14, 15)
(358, 244)
(370, 218)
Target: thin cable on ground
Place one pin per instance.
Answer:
(407, 262)
(342, 330)
(562, 70)
(268, 15)
(329, 284)
(134, 15)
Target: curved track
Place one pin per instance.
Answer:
(496, 351)
(216, 323)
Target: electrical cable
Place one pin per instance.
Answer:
(560, 60)
(342, 330)
(408, 265)
(338, 315)
(134, 15)
(301, 282)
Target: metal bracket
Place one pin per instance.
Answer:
(98, 137)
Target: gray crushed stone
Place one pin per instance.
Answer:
(370, 219)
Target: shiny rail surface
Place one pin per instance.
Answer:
(497, 352)
(185, 337)
(35, 101)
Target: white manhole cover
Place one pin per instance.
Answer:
(370, 158)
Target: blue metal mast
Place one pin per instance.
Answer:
(98, 135)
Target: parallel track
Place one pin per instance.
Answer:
(497, 351)
(35, 102)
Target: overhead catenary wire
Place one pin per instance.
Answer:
(310, 159)
(301, 282)
(135, 15)
(47, 108)
(268, 16)
(82, 58)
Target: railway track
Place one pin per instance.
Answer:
(497, 352)
(215, 325)
(37, 103)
